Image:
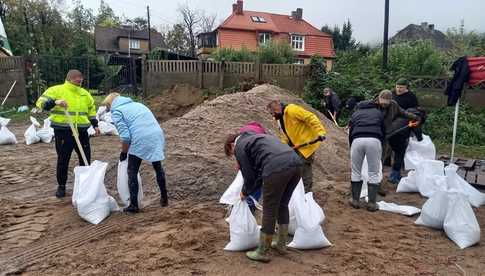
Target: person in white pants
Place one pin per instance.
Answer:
(365, 137)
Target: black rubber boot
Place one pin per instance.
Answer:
(373, 188)
(356, 188)
(133, 207)
(61, 191)
(164, 201)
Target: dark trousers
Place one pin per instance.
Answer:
(65, 143)
(134, 163)
(398, 145)
(277, 190)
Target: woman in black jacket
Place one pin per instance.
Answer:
(265, 161)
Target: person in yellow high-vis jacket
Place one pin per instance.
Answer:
(301, 130)
(80, 105)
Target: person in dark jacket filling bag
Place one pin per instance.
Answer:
(366, 135)
(267, 162)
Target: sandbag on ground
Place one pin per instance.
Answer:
(90, 197)
(122, 185)
(461, 225)
(6, 136)
(417, 151)
(243, 228)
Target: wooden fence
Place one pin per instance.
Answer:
(162, 74)
(12, 71)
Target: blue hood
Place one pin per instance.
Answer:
(119, 101)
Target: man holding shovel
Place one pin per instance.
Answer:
(69, 103)
(301, 130)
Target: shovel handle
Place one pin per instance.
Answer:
(76, 137)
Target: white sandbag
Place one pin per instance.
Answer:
(107, 128)
(243, 228)
(309, 233)
(90, 196)
(315, 209)
(460, 224)
(457, 184)
(46, 133)
(434, 211)
(122, 185)
(103, 115)
(418, 151)
(398, 209)
(408, 184)
(299, 192)
(233, 192)
(365, 177)
(6, 137)
(30, 134)
(430, 177)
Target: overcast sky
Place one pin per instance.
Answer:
(366, 16)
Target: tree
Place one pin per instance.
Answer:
(191, 19)
(138, 23)
(106, 16)
(176, 39)
(342, 39)
(81, 21)
(207, 22)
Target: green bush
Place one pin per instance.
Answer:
(229, 54)
(270, 53)
(439, 125)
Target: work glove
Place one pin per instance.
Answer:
(123, 156)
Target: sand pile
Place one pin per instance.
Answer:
(196, 164)
(175, 102)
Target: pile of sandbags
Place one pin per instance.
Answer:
(90, 197)
(35, 134)
(453, 213)
(417, 151)
(6, 136)
(306, 217)
(105, 123)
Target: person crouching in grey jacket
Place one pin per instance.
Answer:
(265, 161)
(365, 137)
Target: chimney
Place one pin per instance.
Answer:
(234, 8)
(239, 7)
(299, 14)
(431, 27)
(424, 25)
(293, 14)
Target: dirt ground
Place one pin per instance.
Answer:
(41, 235)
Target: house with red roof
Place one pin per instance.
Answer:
(251, 29)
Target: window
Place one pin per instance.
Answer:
(134, 44)
(298, 42)
(264, 38)
(258, 19)
(299, 61)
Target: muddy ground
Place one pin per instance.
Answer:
(41, 235)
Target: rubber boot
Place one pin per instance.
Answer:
(164, 200)
(133, 207)
(61, 191)
(382, 189)
(356, 188)
(261, 253)
(394, 177)
(373, 188)
(282, 236)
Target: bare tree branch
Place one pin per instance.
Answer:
(191, 19)
(208, 22)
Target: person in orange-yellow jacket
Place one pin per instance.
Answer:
(301, 130)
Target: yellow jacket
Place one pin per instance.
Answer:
(80, 105)
(301, 127)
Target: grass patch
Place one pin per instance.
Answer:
(473, 152)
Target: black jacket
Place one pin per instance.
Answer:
(260, 155)
(406, 100)
(461, 76)
(332, 103)
(367, 121)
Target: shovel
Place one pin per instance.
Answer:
(411, 124)
(76, 137)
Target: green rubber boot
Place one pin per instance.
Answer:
(280, 244)
(261, 253)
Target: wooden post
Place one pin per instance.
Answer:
(200, 71)
(257, 71)
(144, 69)
(221, 75)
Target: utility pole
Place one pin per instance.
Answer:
(386, 36)
(149, 30)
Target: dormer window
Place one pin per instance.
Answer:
(258, 19)
(264, 38)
